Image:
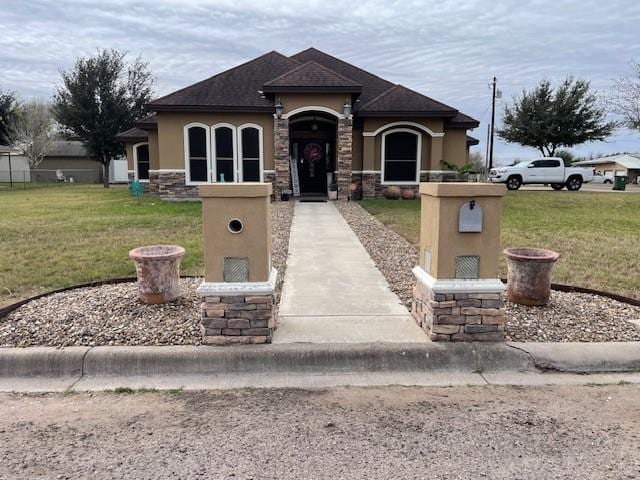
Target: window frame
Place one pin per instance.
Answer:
(135, 161)
(213, 177)
(418, 134)
(187, 166)
(260, 151)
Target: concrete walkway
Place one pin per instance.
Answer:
(333, 292)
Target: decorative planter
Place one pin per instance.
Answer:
(529, 274)
(158, 270)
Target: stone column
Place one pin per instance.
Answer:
(281, 155)
(458, 295)
(237, 292)
(344, 157)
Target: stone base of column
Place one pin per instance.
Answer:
(237, 319)
(238, 313)
(459, 310)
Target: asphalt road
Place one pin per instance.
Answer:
(395, 432)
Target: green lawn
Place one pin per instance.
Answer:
(60, 235)
(597, 234)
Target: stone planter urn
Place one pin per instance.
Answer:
(529, 274)
(158, 270)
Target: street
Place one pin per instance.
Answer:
(343, 433)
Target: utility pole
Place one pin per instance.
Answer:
(493, 119)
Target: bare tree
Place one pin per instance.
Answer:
(626, 98)
(32, 130)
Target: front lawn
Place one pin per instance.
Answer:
(60, 235)
(597, 234)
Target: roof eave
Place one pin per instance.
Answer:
(310, 89)
(210, 108)
(406, 113)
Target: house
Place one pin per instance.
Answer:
(304, 122)
(624, 164)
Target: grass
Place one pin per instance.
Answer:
(61, 235)
(597, 234)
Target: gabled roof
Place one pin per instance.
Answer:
(625, 159)
(67, 148)
(150, 122)
(404, 101)
(241, 89)
(311, 77)
(237, 89)
(372, 85)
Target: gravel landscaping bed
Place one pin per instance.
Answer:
(569, 317)
(113, 315)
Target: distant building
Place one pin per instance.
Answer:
(624, 164)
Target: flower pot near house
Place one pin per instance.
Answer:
(392, 193)
(529, 275)
(158, 271)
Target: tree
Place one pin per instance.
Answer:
(626, 98)
(548, 118)
(32, 130)
(100, 97)
(8, 107)
(568, 157)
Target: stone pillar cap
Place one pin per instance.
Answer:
(235, 190)
(462, 189)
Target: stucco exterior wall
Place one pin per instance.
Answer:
(454, 148)
(128, 147)
(292, 101)
(171, 134)
(154, 160)
(357, 149)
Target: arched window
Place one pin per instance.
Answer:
(250, 153)
(401, 156)
(197, 153)
(141, 161)
(224, 155)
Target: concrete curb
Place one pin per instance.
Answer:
(83, 362)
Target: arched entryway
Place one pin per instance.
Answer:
(312, 138)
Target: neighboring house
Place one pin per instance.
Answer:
(624, 164)
(70, 159)
(330, 121)
(14, 166)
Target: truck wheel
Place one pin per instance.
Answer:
(607, 181)
(557, 186)
(513, 183)
(574, 184)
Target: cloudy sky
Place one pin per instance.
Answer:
(449, 50)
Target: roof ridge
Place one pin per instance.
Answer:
(375, 99)
(312, 62)
(342, 61)
(223, 72)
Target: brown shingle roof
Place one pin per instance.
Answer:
(401, 100)
(462, 121)
(372, 85)
(150, 122)
(134, 134)
(311, 77)
(236, 89)
(472, 141)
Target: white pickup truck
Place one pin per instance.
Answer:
(547, 170)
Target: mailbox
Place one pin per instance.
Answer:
(470, 217)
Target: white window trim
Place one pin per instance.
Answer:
(185, 135)
(213, 174)
(135, 161)
(316, 108)
(418, 155)
(419, 126)
(260, 151)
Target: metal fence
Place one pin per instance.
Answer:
(21, 177)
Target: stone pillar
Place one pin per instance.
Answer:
(458, 295)
(281, 155)
(237, 291)
(344, 157)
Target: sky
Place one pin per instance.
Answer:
(448, 50)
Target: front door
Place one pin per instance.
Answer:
(311, 156)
